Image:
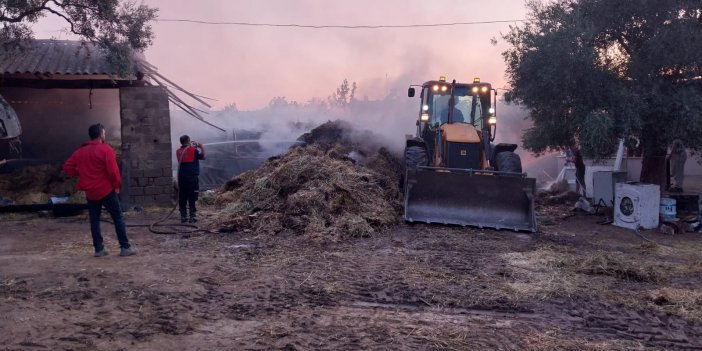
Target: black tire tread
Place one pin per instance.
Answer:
(508, 161)
(415, 156)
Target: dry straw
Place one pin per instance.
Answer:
(317, 190)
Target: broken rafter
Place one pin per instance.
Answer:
(164, 82)
(194, 110)
(174, 96)
(195, 115)
(151, 71)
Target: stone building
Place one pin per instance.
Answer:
(58, 88)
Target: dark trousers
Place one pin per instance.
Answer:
(111, 204)
(188, 189)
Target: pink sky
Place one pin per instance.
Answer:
(250, 65)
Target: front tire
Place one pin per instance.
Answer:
(508, 161)
(415, 156)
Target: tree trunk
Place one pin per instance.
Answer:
(653, 170)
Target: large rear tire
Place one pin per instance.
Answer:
(508, 161)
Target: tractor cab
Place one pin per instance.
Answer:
(443, 102)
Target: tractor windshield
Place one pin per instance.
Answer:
(467, 107)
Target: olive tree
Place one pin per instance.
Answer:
(593, 71)
(119, 27)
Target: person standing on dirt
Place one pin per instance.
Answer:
(579, 170)
(95, 166)
(568, 157)
(677, 159)
(188, 155)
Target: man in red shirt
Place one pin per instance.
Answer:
(98, 175)
(188, 155)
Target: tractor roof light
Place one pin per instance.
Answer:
(425, 108)
(492, 120)
(435, 88)
(476, 80)
(475, 90)
(442, 78)
(444, 88)
(491, 110)
(484, 89)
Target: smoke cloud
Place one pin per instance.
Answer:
(379, 122)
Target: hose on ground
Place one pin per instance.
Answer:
(153, 227)
(638, 233)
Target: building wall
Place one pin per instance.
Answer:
(55, 121)
(632, 165)
(146, 144)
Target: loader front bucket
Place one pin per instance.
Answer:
(470, 198)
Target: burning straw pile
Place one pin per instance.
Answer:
(335, 186)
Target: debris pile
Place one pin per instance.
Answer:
(334, 186)
(555, 201)
(37, 184)
(556, 194)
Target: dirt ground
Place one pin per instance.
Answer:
(575, 285)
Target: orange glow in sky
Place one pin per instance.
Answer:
(250, 65)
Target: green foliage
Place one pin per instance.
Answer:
(597, 135)
(591, 71)
(121, 28)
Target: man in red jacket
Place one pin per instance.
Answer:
(95, 165)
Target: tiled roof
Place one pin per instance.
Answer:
(66, 57)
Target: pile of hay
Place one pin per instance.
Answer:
(36, 184)
(334, 186)
(33, 183)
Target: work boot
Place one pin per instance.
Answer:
(183, 219)
(130, 251)
(101, 253)
(193, 219)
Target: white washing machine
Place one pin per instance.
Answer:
(637, 205)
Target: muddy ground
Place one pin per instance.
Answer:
(576, 285)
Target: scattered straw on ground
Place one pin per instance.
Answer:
(686, 303)
(539, 274)
(623, 267)
(330, 188)
(556, 340)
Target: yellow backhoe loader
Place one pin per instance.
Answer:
(454, 174)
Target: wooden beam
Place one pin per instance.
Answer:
(155, 74)
(196, 115)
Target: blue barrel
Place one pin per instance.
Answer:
(668, 209)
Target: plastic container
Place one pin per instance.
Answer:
(668, 210)
(58, 199)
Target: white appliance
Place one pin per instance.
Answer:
(589, 172)
(636, 205)
(603, 186)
